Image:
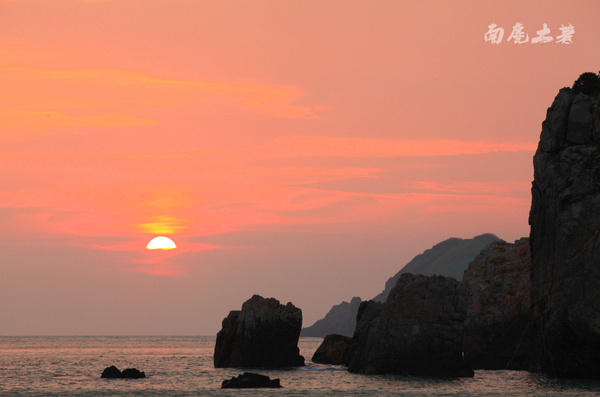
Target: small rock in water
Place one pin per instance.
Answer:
(113, 372)
(249, 380)
(332, 350)
(133, 373)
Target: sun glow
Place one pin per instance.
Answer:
(163, 243)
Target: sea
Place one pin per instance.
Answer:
(183, 366)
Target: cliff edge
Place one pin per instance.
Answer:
(565, 237)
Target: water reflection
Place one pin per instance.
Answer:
(561, 385)
(182, 366)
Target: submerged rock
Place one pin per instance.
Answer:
(263, 334)
(565, 239)
(132, 373)
(248, 380)
(332, 350)
(113, 372)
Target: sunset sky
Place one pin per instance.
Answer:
(302, 150)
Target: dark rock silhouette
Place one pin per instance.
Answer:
(332, 350)
(497, 326)
(366, 320)
(449, 258)
(565, 239)
(248, 380)
(419, 330)
(341, 320)
(536, 309)
(113, 372)
(263, 334)
(588, 83)
(132, 373)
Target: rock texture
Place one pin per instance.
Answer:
(332, 350)
(367, 319)
(263, 334)
(497, 325)
(565, 239)
(248, 380)
(419, 330)
(449, 258)
(341, 320)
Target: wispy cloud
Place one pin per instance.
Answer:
(44, 99)
(327, 146)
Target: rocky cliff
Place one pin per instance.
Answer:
(366, 321)
(565, 238)
(497, 324)
(428, 322)
(419, 330)
(263, 334)
(530, 305)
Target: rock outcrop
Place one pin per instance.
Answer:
(248, 380)
(449, 258)
(497, 325)
(332, 350)
(341, 320)
(419, 330)
(263, 334)
(113, 372)
(366, 320)
(565, 239)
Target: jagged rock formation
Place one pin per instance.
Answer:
(565, 239)
(497, 325)
(419, 330)
(341, 320)
(332, 350)
(427, 322)
(536, 309)
(263, 334)
(449, 258)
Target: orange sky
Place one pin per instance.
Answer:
(304, 150)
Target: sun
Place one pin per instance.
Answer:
(161, 243)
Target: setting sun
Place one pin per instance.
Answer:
(163, 243)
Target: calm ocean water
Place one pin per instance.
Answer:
(182, 366)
